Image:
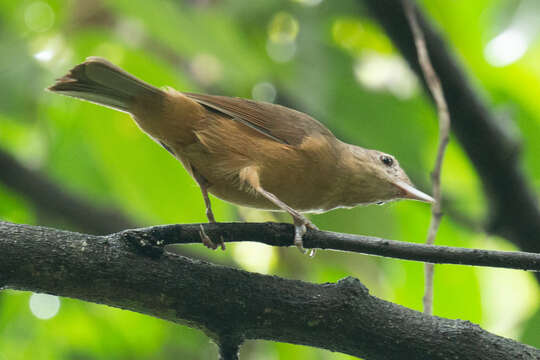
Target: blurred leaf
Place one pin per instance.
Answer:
(19, 75)
(531, 332)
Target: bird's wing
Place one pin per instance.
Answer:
(277, 122)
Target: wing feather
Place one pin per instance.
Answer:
(279, 123)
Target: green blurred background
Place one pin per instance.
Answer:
(326, 58)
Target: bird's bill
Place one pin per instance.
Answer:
(410, 192)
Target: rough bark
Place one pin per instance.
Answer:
(231, 305)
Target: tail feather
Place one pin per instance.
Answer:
(101, 82)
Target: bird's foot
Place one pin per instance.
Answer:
(208, 242)
(301, 223)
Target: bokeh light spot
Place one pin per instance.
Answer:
(206, 68)
(283, 28)
(386, 73)
(44, 306)
(130, 30)
(254, 256)
(39, 16)
(44, 55)
(347, 33)
(52, 52)
(282, 32)
(309, 2)
(506, 48)
(264, 91)
(281, 52)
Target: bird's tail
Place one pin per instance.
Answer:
(101, 82)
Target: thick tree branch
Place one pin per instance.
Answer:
(494, 153)
(240, 305)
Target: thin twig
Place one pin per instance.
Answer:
(152, 240)
(435, 87)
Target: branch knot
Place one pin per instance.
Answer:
(353, 285)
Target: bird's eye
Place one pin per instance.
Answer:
(387, 160)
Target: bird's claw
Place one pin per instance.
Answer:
(208, 242)
(311, 225)
(300, 228)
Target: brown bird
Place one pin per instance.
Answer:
(247, 152)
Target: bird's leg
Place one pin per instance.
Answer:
(251, 176)
(203, 185)
(209, 213)
(301, 223)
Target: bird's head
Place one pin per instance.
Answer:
(377, 177)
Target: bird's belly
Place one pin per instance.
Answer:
(241, 197)
(297, 188)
